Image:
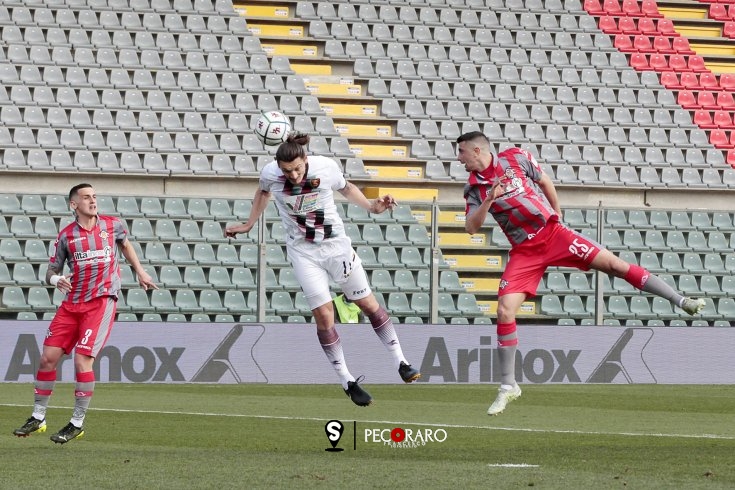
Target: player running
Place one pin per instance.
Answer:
(522, 199)
(319, 249)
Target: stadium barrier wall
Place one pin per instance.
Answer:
(290, 354)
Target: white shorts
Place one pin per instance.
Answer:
(315, 263)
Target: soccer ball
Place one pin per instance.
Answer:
(272, 128)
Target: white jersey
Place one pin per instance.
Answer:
(308, 210)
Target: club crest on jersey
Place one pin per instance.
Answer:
(104, 235)
(314, 183)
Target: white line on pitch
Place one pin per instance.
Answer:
(513, 465)
(399, 423)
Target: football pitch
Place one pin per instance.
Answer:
(273, 436)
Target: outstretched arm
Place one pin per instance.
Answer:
(260, 201)
(377, 206)
(474, 220)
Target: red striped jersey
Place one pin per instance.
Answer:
(523, 209)
(92, 258)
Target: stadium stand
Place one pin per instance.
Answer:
(156, 100)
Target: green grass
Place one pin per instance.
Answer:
(269, 436)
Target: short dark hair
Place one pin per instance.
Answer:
(293, 147)
(74, 190)
(473, 135)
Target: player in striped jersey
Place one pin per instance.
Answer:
(84, 319)
(319, 250)
(522, 199)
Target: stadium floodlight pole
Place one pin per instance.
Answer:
(262, 264)
(434, 265)
(599, 286)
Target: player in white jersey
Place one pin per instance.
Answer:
(318, 248)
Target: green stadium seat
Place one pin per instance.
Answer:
(200, 318)
(189, 230)
(396, 235)
(9, 204)
(710, 286)
(13, 298)
(210, 300)
(180, 254)
(573, 305)
(155, 252)
(618, 306)
(186, 301)
(176, 318)
(127, 317)
(296, 319)
(198, 208)
(413, 320)
(204, 254)
(36, 250)
(411, 257)
(22, 227)
(24, 274)
(282, 303)
(242, 278)
(235, 302)
(671, 261)
(556, 282)
(372, 234)
(551, 306)
(10, 250)
(5, 278)
(640, 307)
(142, 229)
(405, 281)
(418, 235)
(224, 318)
(227, 254)
(152, 317)
(26, 315)
(398, 304)
(275, 257)
(388, 257)
(219, 278)
(688, 284)
(381, 280)
(420, 303)
(175, 208)
(56, 204)
(728, 285)
(45, 227)
(367, 256)
(39, 299)
(661, 306)
(170, 276)
(195, 278)
(137, 300)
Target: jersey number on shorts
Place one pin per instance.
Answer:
(85, 339)
(579, 249)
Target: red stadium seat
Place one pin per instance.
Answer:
(690, 81)
(706, 99)
(719, 138)
(717, 11)
(609, 25)
(643, 44)
(670, 80)
(731, 11)
(662, 44)
(696, 63)
(727, 81)
(631, 8)
(666, 27)
(703, 119)
(725, 100)
(649, 8)
(723, 119)
(681, 45)
(678, 62)
(628, 25)
(708, 81)
(639, 61)
(686, 99)
(612, 7)
(731, 158)
(593, 7)
(647, 26)
(624, 43)
(728, 29)
(659, 62)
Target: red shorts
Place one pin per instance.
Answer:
(554, 245)
(88, 325)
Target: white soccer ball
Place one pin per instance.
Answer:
(272, 128)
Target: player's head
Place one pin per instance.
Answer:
(473, 150)
(83, 200)
(291, 157)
